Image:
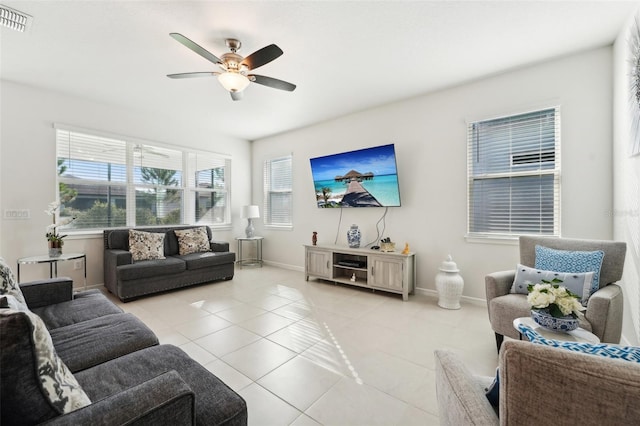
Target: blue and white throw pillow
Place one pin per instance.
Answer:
(626, 353)
(571, 261)
(577, 283)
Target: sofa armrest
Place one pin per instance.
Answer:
(498, 283)
(47, 292)
(219, 246)
(112, 259)
(461, 399)
(165, 399)
(604, 313)
(586, 388)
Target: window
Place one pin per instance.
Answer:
(278, 195)
(106, 182)
(513, 168)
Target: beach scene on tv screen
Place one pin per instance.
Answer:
(363, 178)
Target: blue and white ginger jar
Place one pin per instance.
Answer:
(353, 236)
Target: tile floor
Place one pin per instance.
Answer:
(310, 353)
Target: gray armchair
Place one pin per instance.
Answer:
(603, 316)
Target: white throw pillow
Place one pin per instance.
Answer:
(8, 283)
(579, 283)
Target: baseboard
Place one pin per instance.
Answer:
(284, 266)
(434, 294)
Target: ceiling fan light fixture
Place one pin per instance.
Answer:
(233, 81)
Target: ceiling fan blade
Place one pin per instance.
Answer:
(272, 82)
(192, 74)
(236, 96)
(196, 48)
(262, 56)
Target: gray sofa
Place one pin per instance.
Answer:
(129, 280)
(115, 358)
(540, 385)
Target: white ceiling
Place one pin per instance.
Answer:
(344, 56)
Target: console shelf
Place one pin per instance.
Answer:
(392, 271)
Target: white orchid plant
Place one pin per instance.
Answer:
(52, 230)
(556, 298)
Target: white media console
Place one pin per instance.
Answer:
(388, 271)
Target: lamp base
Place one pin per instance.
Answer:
(249, 230)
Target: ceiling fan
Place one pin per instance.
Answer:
(234, 76)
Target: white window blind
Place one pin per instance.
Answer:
(209, 185)
(513, 168)
(278, 194)
(108, 182)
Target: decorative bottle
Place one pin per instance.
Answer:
(353, 236)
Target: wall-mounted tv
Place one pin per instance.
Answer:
(363, 178)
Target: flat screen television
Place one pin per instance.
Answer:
(363, 178)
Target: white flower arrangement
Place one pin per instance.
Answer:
(557, 299)
(52, 233)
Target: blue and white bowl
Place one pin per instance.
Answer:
(545, 319)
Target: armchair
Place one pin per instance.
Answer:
(603, 316)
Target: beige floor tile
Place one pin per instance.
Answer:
(266, 323)
(350, 403)
(227, 340)
(198, 353)
(232, 377)
(300, 382)
(240, 313)
(258, 358)
(202, 326)
(267, 409)
(298, 336)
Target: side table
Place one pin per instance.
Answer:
(253, 261)
(577, 335)
(53, 263)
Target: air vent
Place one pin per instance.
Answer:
(14, 19)
(537, 157)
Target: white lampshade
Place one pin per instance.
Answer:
(250, 212)
(233, 81)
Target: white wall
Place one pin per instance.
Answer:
(28, 169)
(429, 133)
(626, 175)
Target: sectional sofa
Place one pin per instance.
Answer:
(79, 359)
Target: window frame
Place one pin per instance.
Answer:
(268, 191)
(517, 172)
(188, 193)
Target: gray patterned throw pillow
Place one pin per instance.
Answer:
(193, 240)
(8, 283)
(146, 245)
(58, 384)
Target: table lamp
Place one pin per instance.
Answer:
(249, 213)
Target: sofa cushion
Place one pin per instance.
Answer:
(151, 268)
(8, 283)
(146, 245)
(206, 260)
(571, 261)
(29, 361)
(578, 283)
(101, 339)
(85, 306)
(216, 403)
(193, 240)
